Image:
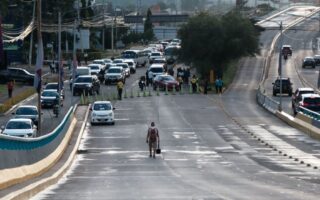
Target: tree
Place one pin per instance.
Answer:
(148, 27)
(211, 42)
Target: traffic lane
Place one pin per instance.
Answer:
(196, 161)
(287, 17)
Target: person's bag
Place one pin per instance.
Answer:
(158, 150)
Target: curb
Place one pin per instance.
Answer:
(36, 187)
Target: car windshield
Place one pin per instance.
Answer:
(98, 62)
(83, 80)
(157, 70)
(94, 67)
(312, 100)
(102, 106)
(129, 55)
(51, 86)
(18, 125)
(306, 92)
(114, 70)
(155, 54)
(26, 111)
(158, 61)
(49, 94)
(123, 65)
(167, 78)
(284, 82)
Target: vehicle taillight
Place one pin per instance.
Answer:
(305, 104)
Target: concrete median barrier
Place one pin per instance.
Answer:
(25, 158)
(301, 123)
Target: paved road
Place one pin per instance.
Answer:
(208, 150)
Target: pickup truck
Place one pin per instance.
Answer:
(16, 74)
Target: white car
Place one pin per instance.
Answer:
(102, 112)
(20, 128)
(28, 112)
(132, 65)
(125, 67)
(95, 68)
(155, 55)
(100, 62)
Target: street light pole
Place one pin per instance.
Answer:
(59, 59)
(280, 67)
(31, 37)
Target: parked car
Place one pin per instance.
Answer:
(102, 112)
(114, 74)
(125, 67)
(308, 62)
(20, 128)
(296, 97)
(286, 86)
(308, 101)
(49, 98)
(163, 81)
(55, 86)
(286, 49)
(27, 111)
(16, 74)
(88, 84)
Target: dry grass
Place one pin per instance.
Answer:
(16, 99)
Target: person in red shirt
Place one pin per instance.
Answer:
(10, 88)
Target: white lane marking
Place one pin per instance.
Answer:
(123, 119)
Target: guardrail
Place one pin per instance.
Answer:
(309, 113)
(15, 151)
(267, 102)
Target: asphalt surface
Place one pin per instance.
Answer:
(207, 149)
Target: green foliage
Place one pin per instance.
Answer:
(132, 37)
(148, 27)
(210, 42)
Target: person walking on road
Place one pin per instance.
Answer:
(10, 85)
(205, 86)
(150, 76)
(153, 140)
(194, 83)
(216, 84)
(220, 85)
(119, 88)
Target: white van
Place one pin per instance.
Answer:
(140, 57)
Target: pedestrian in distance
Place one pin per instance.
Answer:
(205, 86)
(180, 80)
(150, 76)
(147, 79)
(119, 88)
(10, 86)
(153, 140)
(220, 85)
(194, 83)
(216, 84)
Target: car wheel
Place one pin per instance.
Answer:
(105, 82)
(274, 94)
(112, 123)
(74, 93)
(92, 124)
(98, 91)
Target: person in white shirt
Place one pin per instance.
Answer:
(150, 76)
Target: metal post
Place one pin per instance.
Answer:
(31, 37)
(103, 31)
(39, 38)
(280, 67)
(59, 58)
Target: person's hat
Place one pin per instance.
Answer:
(152, 123)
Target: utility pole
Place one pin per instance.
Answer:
(59, 59)
(280, 67)
(31, 37)
(79, 22)
(39, 62)
(103, 29)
